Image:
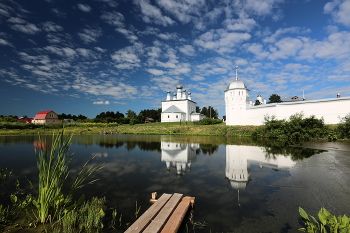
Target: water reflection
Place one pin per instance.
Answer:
(222, 175)
(179, 155)
(239, 159)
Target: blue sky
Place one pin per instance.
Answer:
(91, 56)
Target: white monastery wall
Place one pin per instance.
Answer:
(330, 109)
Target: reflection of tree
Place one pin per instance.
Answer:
(111, 144)
(208, 148)
(149, 146)
(130, 145)
(276, 147)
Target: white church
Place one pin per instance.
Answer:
(240, 109)
(180, 107)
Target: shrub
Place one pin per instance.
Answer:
(297, 127)
(343, 128)
(209, 121)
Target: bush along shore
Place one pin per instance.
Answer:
(296, 128)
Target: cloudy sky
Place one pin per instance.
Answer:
(90, 56)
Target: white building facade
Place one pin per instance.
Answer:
(180, 107)
(240, 109)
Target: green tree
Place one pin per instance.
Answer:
(210, 112)
(198, 109)
(131, 114)
(274, 98)
(257, 102)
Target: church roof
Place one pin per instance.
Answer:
(172, 109)
(236, 84)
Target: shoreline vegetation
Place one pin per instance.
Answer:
(296, 128)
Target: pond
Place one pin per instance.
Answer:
(239, 185)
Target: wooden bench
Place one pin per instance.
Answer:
(164, 216)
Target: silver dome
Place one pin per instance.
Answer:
(236, 84)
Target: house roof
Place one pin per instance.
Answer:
(41, 115)
(26, 119)
(172, 109)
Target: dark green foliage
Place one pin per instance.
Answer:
(274, 98)
(257, 102)
(64, 116)
(296, 128)
(343, 129)
(325, 223)
(210, 112)
(108, 117)
(209, 121)
(150, 113)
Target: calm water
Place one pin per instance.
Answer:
(230, 179)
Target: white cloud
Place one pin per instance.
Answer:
(167, 36)
(5, 43)
(51, 27)
(259, 8)
(292, 30)
(84, 8)
(197, 78)
(285, 48)
(101, 102)
(100, 49)
(340, 11)
(128, 57)
(58, 12)
(240, 24)
(113, 18)
(90, 35)
(188, 50)
(221, 40)
(87, 53)
(16, 20)
(155, 71)
(27, 28)
(128, 34)
(152, 14)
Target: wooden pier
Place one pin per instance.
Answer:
(164, 216)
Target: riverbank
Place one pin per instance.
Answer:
(151, 129)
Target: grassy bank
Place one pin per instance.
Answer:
(152, 128)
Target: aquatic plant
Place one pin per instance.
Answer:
(326, 222)
(51, 203)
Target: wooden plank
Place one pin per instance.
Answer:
(175, 220)
(144, 220)
(159, 221)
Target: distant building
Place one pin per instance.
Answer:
(46, 117)
(240, 109)
(25, 119)
(180, 107)
(149, 120)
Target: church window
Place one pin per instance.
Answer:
(177, 116)
(168, 116)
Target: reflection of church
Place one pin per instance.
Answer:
(178, 155)
(239, 158)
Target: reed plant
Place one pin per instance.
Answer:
(53, 167)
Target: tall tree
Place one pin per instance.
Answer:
(210, 112)
(274, 98)
(131, 114)
(257, 102)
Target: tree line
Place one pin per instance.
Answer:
(130, 117)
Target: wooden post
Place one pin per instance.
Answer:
(153, 199)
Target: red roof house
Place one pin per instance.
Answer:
(46, 117)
